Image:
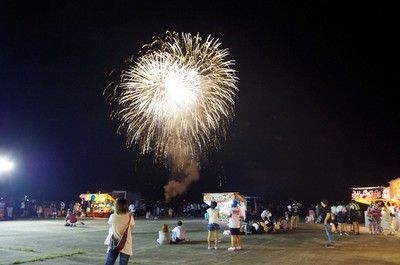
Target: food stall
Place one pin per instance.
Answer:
(99, 204)
(366, 195)
(386, 195)
(224, 200)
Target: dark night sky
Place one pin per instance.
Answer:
(317, 109)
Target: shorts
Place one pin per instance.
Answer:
(213, 227)
(235, 231)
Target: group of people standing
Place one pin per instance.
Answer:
(383, 218)
(235, 218)
(336, 218)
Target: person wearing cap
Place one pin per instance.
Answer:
(235, 214)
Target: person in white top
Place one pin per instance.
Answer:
(213, 226)
(132, 209)
(266, 216)
(119, 222)
(178, 233)
(234, 222)
(164, 236)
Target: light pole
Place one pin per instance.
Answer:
(6, 165)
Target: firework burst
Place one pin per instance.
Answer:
(177, 98)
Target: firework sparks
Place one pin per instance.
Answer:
(176, 100)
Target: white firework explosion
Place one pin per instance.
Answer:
(177, 98)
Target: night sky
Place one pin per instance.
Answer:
(317, 110)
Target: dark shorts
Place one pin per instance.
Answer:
(213, 227)
(235, 231)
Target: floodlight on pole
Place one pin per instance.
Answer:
(6, 165)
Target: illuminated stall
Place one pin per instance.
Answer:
(394, 189)
(100, 204)
(366, 195)
(224, 200)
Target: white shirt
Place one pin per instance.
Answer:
(266, 214)
(213, 215)
(234, 217)
(131, 208)
(163, 238)
(118, 224)
(179, 232)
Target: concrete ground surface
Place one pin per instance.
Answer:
(50, 242)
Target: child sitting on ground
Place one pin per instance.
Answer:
(163, 235)
(70, 219)
(178, 234)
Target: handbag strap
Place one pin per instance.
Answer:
(127, 227)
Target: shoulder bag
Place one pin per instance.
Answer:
(118, 244)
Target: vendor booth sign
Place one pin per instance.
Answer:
(224, 201)
(367, 193)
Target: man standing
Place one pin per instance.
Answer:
(327, 218)
(295, 212)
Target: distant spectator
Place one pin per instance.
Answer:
(10, 209)
(327, 219)
(266, 216)
(170, 212)
(70, 219)
(355, 217)
(132, 209)
(341, 216)
(294, 209)
(148, 215)
(39, 211)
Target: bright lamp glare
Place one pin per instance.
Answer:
(6, 165)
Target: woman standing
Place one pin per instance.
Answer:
(119, 222)
(213, 226)
(355, 217)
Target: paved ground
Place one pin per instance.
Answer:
(49, 242)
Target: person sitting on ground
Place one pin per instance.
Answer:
(256, 227)
(70, 219)
(266, 216)
(178, 234)
(163, 235)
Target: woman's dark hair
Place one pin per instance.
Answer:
(179, 223)
(213, 204)
(121, 206)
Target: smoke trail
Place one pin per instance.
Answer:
(186, 172)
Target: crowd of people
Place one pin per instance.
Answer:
(340, 219)
(32, 208)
